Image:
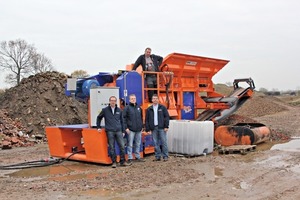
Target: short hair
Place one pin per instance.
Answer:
(112, 97)
(148, 48)
(154, 95)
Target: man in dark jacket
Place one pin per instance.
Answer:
(149, 62)
(157, 123)
(133, 125)
(114, 130)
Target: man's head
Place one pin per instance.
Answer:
(155, 99)
(112, 101)
(148, 52)
(132, 98)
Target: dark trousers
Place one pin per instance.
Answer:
(112, 138)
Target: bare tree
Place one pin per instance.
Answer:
(21, 60)
(41, 64)
(80, 74)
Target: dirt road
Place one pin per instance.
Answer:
(262, 174)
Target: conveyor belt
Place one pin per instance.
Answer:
(235, 100)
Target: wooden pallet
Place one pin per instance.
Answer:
(242, 149)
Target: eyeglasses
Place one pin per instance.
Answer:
(112, 100)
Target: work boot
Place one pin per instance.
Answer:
(129, 162)
(156, 159)
(140, 160)
(125, 164)
(114, 165)
(165, 159)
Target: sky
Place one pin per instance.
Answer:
(261, 38)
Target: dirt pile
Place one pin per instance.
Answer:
(260, 105)
(40, 101)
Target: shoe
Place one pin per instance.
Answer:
(156, 159)
(165, 159)
(125, 164)
(129, 161)
(114, 165)
(140, 160)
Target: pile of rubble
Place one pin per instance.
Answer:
(39, 101)
(12, 132)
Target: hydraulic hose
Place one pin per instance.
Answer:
(37, 163)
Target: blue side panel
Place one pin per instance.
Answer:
(132, 82)
(148, 140)
(103, 77)
(188, 106)
(67, 92)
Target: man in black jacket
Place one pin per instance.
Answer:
(133, 125)
(151, 63)
(157, 123)
(114, 130)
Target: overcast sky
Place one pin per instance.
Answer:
(261, 38)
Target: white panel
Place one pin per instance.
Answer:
(191, 137)
(99, 98)
(71, 84)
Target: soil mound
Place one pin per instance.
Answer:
(40, 101)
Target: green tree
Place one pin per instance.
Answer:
(80, 74)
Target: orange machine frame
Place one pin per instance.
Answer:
(179, 73)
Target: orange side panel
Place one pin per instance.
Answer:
(63, 142)
(95, 145)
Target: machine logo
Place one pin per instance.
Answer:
(193, 63)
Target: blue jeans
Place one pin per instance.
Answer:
(112, 137)
(159, 137)
(134, 140)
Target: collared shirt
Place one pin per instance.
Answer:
(155, 110)
(113, 110)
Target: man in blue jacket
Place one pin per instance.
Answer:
(114, 130)
(133, 125)
(150, 63)
(157, 123)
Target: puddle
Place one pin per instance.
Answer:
(208, 171)
(293, 145)
(52, 170)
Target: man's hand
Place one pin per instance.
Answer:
(166, 129)
(99, 130)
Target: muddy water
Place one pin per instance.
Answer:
(54, 170)
(293, 145)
